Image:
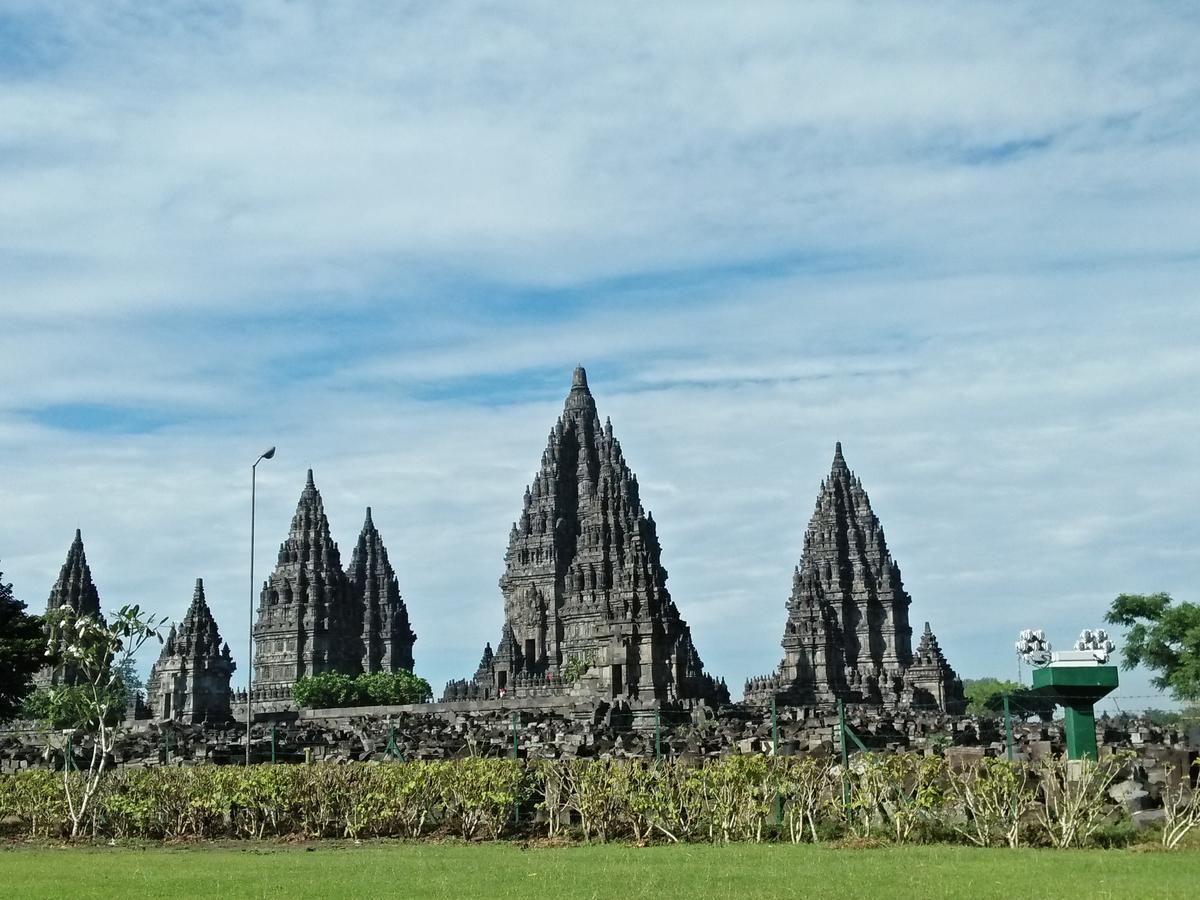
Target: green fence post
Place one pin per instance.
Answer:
(167, 741)
(69, 757)
(657, 733)
(272, 743)
(1008, 734)
(845, 756)
(775, 758)
(393, 749)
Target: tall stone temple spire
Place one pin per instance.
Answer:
(386, 634)
(74, 588)
(847, 634)
(75, 591)
(315, 617)
(307, 623)
(584, 588)
(190, 681)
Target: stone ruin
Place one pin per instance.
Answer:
(586, 605)
(315, 617)
(190, 681)
(442, 732)
(847, 635)
(74, 590)
(587, 613)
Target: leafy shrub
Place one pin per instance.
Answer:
(70, 706)
(575, 668)
(390, 688)
(330, 689)
(899, 798)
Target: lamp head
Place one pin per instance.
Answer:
(269, 454)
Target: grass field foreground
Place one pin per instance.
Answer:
(602, 871)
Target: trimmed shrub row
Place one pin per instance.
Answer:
(901, 798)
(378, 689)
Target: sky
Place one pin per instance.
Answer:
(962, 240)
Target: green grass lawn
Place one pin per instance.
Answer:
(506, 870)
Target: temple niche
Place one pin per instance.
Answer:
(190, 681)
(847, 635)
(586, 605)
(314, 616)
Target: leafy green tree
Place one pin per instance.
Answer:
(388, 688)
(985, 696)
(981, 691)
(1178, 718)
(331, 690)
(22, 651)
(1163, 636)
(98, 654)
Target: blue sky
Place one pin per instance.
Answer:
(965, 242)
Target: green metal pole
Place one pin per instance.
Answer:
(167, 738)
(1079, 719)
(775, 758)
(272, 743)
(845, 756)
(1008, 734)
(657, 734)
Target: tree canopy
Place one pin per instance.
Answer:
(1163, 636)
(22, 649)
(985, 696)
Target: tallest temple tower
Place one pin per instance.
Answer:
(585, 592)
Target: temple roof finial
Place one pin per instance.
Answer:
(369, 523)
(310, 483)
(580, 398)
(839, 461)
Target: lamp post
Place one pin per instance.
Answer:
(266, 454)
(1074, 679)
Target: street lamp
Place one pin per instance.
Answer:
(266, 454)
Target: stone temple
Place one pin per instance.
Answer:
(74, 590)
(314, 616)
(190, 681)
(847, 635)
(586, 605)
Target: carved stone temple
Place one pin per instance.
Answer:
(74, 590)
(314, 616)
(586, 606)
(190, 681)
(847, 635)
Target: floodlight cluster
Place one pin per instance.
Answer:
(1096, 641)
(1033, 647)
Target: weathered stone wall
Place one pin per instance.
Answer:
(437, 731)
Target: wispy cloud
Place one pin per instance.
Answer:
(963, 242)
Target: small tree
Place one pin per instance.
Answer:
(21, 644)
(1164, 637)
(98, 655)
(985, 696)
